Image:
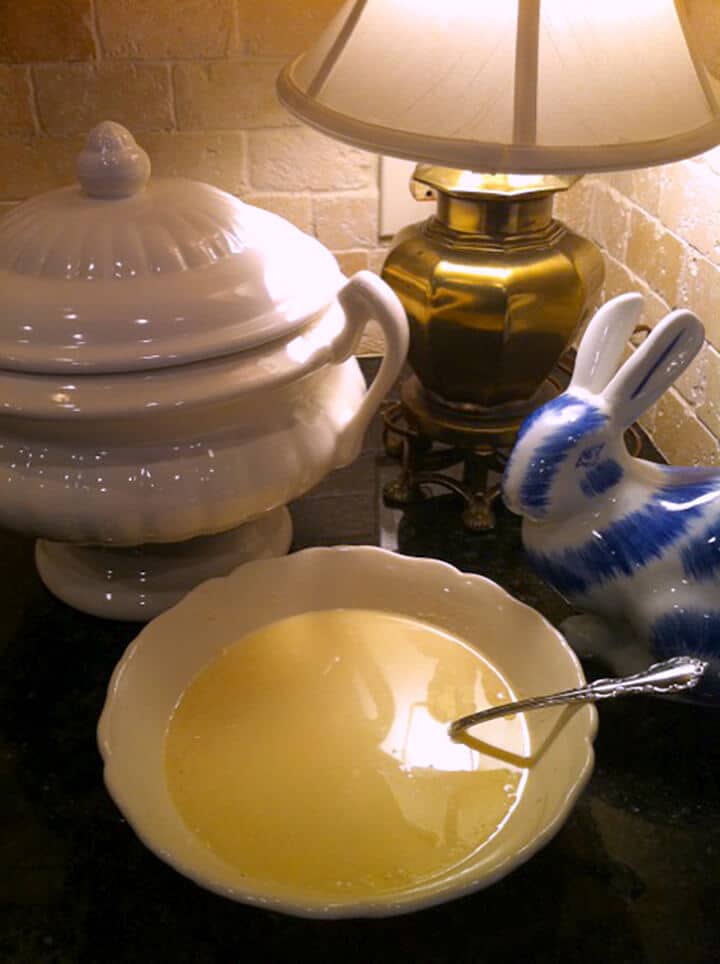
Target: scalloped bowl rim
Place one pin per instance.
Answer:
(228, 589)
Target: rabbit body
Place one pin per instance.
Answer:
(627, 540)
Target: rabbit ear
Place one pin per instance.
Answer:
(662, 357)
(603, 343)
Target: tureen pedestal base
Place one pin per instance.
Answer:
(139, 582)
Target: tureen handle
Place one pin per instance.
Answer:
(366, 298)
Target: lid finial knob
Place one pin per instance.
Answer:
(112, 164)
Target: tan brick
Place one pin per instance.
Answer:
(73, 98)
(610, 220)
(646, 186)
(217, 159)
(693, 381)
(377, 258)
(351, 261)
(574, 206)
(33, 30)
(712, 159)
(647, 421)
(654, 308)
(283, 28)
(165, 29)
(701, 290)
(299, 159)
(690, 205)
(620, 180)
(34, 164)
(655, 255)
(346, 222)
(618, 279)
(709, 408)
(294, 208)
(227, 95)
(15, 92)
(681, 437)
(372, 340)
(641, 186)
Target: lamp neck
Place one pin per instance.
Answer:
(492, 215)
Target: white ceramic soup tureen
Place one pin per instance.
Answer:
(175, 366)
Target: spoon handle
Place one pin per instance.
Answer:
(680, 673)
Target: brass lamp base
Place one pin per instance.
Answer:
(494, 289)
(463, 469)
(457, 450)
(466, 426)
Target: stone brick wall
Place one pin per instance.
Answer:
(659, 230)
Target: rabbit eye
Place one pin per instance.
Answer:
(589, 456)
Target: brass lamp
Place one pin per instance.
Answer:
(494, 289)
(529, 94)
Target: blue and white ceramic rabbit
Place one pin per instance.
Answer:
(633, 543)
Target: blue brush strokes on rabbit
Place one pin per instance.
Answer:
(632, 542)
(575, 420)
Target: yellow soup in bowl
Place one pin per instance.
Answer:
(313, 755)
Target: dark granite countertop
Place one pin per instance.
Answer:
(633, 876)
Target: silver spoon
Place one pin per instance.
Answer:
(680, 673)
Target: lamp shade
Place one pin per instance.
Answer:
(518, 86)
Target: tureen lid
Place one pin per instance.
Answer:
(123, 272)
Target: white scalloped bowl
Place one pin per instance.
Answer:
(158, 666)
